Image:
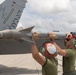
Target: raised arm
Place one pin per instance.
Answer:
(59, 50)
(39, 58)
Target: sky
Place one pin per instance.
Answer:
(49, 15)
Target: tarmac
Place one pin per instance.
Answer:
(22, 64)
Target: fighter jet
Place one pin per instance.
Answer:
(18, 41)
(10, 14)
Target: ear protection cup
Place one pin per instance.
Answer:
(46, 53)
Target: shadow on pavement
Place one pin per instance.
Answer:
(15, 70)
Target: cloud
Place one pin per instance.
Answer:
(1, 1)
(50, 6)
(19, 25)
(64, 21)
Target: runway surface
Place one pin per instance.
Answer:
(22, 64)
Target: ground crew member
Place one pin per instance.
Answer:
(49, 63)
(69, 55)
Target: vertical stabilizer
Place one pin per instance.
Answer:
(10, 13)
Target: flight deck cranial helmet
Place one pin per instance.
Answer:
(49, 50)
(70, 37)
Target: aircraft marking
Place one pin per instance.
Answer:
(16, 20)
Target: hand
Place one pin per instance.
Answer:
(66, 35)
(34, 35)
(51, 35)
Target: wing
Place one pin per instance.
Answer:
(10, 13)
(22, 47)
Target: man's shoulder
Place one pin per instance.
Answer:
(50, 62)
(70, 52)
